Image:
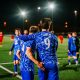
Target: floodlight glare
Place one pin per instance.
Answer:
(39, 8)
(75, 12)
(23, 13)
(51, 6)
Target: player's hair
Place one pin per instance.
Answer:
(46, 23)
(18, 29)
(33, 29)
(74, 33)
(70, 33)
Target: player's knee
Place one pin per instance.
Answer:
(74, 57)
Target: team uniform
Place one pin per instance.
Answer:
(16, 47)
(72, 46)
(72, 49)
(77, 44)
(26, 65)
(46, 44)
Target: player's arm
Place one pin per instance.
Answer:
(18, 54)
(11, 49)
(30, 56)
(28, 37)
(56, 42)
(69, 45)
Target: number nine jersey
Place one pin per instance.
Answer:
(46, 44)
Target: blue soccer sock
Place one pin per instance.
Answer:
(15, 68)
(68, 60)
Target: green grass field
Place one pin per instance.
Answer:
(66, 72)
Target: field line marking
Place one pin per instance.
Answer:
(7, 70)
(6, 63)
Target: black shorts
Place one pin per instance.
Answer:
(77, 49)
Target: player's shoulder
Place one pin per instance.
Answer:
(29, 42)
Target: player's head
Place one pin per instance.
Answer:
(46, 23)
(17, 31)
(69, 35)
(26, 32)
(33, 29)
(74, 34)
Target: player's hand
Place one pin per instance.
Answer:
(40, 65)
(10, 52)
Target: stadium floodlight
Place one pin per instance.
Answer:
(75, 12)
(51, 6)
(38, 8)
(23, 13)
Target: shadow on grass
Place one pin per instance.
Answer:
(70, 67)
(6, 76)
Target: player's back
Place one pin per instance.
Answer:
(73, 44)
(46, 44)
(26, 63)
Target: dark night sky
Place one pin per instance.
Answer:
(64, 11)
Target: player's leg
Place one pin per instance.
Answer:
(53, 73)
(69, 60)
(16, 62)
(42, 74)
(75, 58)
(27, 75)
(77, 53)
(69, 57)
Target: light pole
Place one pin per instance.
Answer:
(23, 14)
(75, 13)
(51, 7)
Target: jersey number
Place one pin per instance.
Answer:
(47, 42)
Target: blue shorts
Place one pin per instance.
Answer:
(72, 53)
(27, 75)
(15, 58)
(51, 73)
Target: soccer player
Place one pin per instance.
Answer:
(26, 32)
(1, 38)
(16, 47)
(69, 53)
(72, 48)
(26, 65)
(46, 45)
(77, 44)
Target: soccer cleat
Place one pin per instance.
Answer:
(76, 63)
(69, 63)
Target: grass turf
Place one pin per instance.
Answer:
(66, 72)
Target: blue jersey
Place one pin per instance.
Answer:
(16, 44)
(46, 44)
(72, 44)
(26, 64)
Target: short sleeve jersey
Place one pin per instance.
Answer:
(46, 44)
